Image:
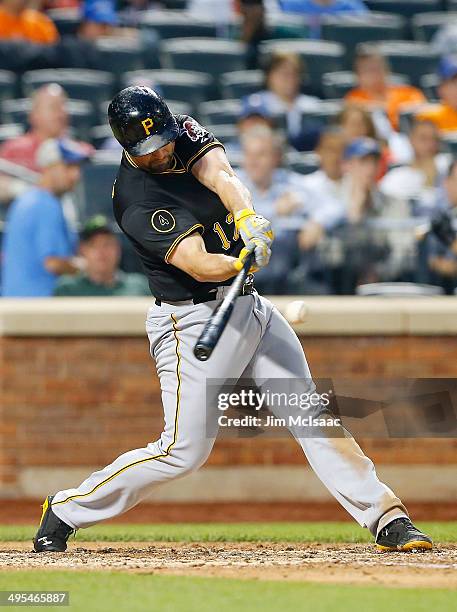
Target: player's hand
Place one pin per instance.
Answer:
(256, 233)
(239, 263)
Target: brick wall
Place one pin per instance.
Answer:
(83, 401)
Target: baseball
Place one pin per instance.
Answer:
(296, 311)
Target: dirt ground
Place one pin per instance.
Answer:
(323, 563)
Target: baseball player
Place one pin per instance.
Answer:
(192, 223)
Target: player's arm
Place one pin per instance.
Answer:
(191, 256)
(215, 172)
(64, 265)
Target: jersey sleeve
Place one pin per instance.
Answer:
(159, 227)
(194, 141)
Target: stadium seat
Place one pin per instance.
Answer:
(407, 8)
(185, 85)
(450, 143)
(99, 134)
(328, 111)
(67, 21)
(174, 5)
(10, 130)
(176, 24)
(94, 86)
(320, 57)
(224, 133)
(241, 83)
(119, 55)
(303, 163)
(211, 55)
(354, 29)
(411, 58)
(7, 86)
(220, 112)
(285, 25)
(398, 290)
(80, 112)
(97, 184)
(429, 85)
(426, 25)
(336, 85)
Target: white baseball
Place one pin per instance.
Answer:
(296, 311)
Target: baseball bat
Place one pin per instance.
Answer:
(219, 319)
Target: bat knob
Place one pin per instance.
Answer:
(202, 352)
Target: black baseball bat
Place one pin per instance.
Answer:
(219, 319)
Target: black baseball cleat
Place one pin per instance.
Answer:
(53, 533)
(401, 535)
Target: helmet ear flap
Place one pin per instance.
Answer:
(141, 120)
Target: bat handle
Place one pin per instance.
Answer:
(218, 321)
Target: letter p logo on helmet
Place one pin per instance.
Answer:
(147, 125)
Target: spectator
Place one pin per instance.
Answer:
(418, 181)
(442, 258)
(328, 180)
(444, 115)
(298, 215)
(18, 21)
(444, 41)
(38, 244)
(100, 20)
(281, 96)
(374, 91)
(368, 249)
(356, 122)
(101, 251)
(254, 113)
(48, 118)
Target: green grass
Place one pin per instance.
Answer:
(231, 532)
(116, 592)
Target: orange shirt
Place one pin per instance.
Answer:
(398, 96)
(442, 115)
(30, 25)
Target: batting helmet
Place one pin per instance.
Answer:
(141, 121)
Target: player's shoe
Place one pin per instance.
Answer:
(53, 533)
(401, 535)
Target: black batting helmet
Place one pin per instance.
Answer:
(141, 121)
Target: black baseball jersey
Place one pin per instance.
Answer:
(158, 210)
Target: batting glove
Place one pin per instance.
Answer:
(256, 233)
(239, 263)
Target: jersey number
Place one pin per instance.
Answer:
(223, 236)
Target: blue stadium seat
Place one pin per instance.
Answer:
(319, 56)
(94, 86)
(185, 85)
(119, 55)
(328, 111)
(174, 5)
(241, 83)
(336, 85)
(450, 143)
(176, 24)
(303, 163)
(354, 29)
(211, 55)
(426, 25)
(411, 58)
(407, 8)
(81, 115)
(429, 84)
(10, 130)
(7, 86)
(220, 112)
(67, 20)
(97, 185)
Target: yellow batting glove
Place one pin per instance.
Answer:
(239, 263)
(251, 225)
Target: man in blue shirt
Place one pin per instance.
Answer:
(323, 7)
(38, 245)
